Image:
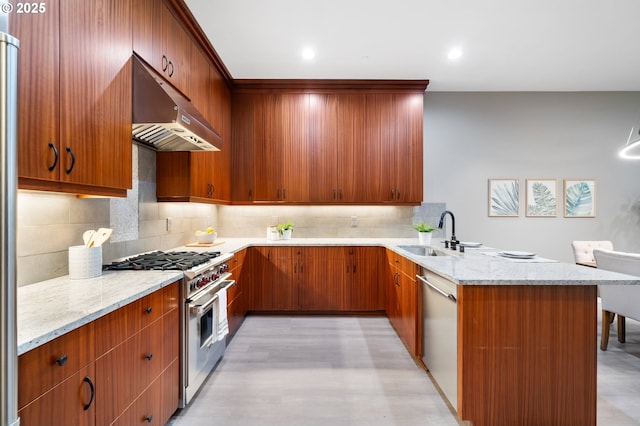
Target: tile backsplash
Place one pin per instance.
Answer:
(49, 223)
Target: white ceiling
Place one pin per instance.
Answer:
(509, 45)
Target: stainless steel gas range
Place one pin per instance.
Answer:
(203, 322)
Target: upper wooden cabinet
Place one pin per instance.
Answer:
(350, 146)
(74, 97)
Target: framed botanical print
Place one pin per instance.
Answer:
(541, 197)
(504, 197)
(579, 198)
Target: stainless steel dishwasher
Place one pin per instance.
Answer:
(440, 332)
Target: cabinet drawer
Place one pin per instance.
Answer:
(238, 259)
(44, 367)
(145, 410)
(119, 325)
(124, 372)
(64, 404)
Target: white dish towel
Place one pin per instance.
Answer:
(223, 323)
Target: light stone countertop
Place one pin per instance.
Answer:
(51, 308)
(473, 267)
(48, 309)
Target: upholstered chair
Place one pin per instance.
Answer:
(583, 251)
(623, 300)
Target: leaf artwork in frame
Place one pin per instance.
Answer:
(580, 198)
(504, 197)
(542, 197)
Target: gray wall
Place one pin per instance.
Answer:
(472, 137)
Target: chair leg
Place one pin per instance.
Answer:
(622, 329)
(604, 336)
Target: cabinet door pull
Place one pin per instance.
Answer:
(148, 419)
(62, 360)
(149, 356)
(354, 268)
(170, 68)
(165, 62)
(55, 158)
(334, 194)
(250, 195)
(278, 194)
(73, 160)
(87, 379)
(393, 194)
(148, 310)
(340, 194)
(213, 189)
(397, 194)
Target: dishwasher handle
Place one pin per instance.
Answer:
(445, 294)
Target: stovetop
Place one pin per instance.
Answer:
(159, 260)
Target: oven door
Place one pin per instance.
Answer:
(203, 347)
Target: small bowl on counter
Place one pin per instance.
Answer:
(205, 238)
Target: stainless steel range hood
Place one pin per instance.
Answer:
(164, 118)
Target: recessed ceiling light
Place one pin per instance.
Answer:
(308, 53)
(455, 53)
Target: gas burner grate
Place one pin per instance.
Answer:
(160, 260)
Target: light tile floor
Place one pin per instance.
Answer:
(325, 370)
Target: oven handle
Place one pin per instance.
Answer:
(231, 284)
(199, 309)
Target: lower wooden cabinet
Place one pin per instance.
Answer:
(403, 301)
(113, 369)
(315, 279)
(71, 402)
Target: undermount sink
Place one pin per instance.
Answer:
(423, 250)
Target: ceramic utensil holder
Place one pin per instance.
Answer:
(85, 262)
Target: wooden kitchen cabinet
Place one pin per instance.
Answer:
(242, 148)
(268, 148)
(171, 49)
(55, 381)
(127, 356)
(274, 286)
(364, 291)
(189, 176)
(72, 402)
(237, 295)
(326, 147)
(148, 347)
(323, 284)
(403, 301)
(315, 279)
(74, 106)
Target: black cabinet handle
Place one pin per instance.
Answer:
(250, 195)
(213, 189)
(278, 194)
(354, 268)
(148, 419)
(340, 194)
(170, 69)
(165, 62)
(334, 194)
(55, 159)
(73, 160)
(62, 360)
(397, 194)
(149, 356)
(149, 310)
(87, 379)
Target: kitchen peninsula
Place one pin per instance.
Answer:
(526, 331)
